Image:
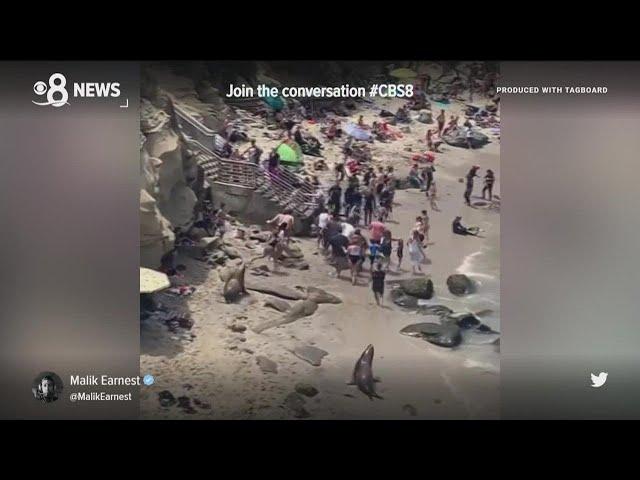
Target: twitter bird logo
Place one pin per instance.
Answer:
(599, 380)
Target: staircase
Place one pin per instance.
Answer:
(284, 189)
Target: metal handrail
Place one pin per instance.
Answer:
(286, 184)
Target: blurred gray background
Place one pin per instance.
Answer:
(570, 238)
(69, 241)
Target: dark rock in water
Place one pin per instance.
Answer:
(166, 398)
(444, 335)
(422, 329)
(277, 303)
(439, 310)
(459, 284)
(410, 409)
(306, 389)
(458, 138)
(482, 328)
(386, 113)
(402, 299)
(185, 404)
(295, 403)
(417, 287)
(237, 328)
(449, 337)
(320, 296)
(310, 354)
(266, 365)
(466, 321)
(277, 290)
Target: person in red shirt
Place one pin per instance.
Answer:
(376, 230)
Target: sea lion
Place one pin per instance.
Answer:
(363, 374)
(444, 335)
(234, 286)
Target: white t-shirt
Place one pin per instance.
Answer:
(347, 229)
(323, 220)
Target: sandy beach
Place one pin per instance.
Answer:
(215, 366)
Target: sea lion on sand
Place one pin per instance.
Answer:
(234, 286)
(363, 374)
(444, 335)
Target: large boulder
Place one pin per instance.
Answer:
(156, 236)
(459, 284)
(458, 138)
(417, 287)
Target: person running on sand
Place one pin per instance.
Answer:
(426, 225)
(377, 283)
(441, 119)
(386, 199)
(323, 221)
(400, 252)
(376, 229)
(335, 197)
(489, 180)
(374, 249)
(354, 250)
(416, 254)
(369, 206)
(386, 248)
(433, 193)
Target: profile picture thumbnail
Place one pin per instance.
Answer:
(47, 387)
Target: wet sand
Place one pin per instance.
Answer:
(218, 368)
